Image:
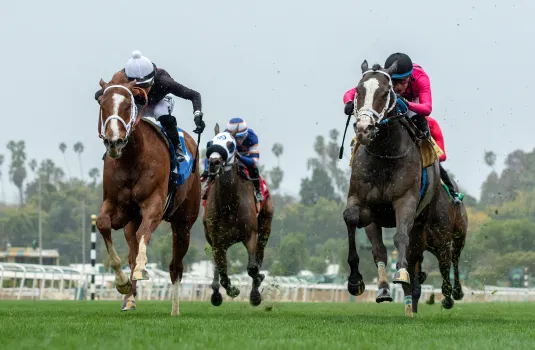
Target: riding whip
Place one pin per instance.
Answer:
(343, 138)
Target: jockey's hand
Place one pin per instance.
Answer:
(404, 100)
(199, 123)
(348, 109)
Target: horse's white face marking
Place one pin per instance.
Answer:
(114, 124)
(370, 87)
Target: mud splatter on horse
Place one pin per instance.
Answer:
(138, 192)
(232, 216)
(390, 185)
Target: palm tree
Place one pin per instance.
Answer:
(79, 149)
(17, 169)
(1, 178)
(94, 174)
(277, 174)
(63, 148)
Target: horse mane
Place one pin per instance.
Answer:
(376, 67)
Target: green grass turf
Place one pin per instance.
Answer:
(234, 325)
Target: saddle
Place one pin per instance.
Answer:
(429, 150)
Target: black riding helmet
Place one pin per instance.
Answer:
(404, 65)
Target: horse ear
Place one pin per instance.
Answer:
(216, 128)
(102, 83)
(392, 69)
(131, 85)
(364, 66)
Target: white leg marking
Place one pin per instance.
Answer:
(175, 311)
(141, 258)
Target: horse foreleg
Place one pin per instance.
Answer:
(457, 247)
(216, 298)
(253, 270)
(443, 254)
(104, 225)
(375, 236)
(220, 259)
(181, 239)
(405, 209)
(129, 301)
(355, 284)
(151, 212)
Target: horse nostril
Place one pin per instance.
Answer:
(120, 141)
(106, 142)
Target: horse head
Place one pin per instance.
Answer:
(221, 153)
(118, 113)
(374, 100)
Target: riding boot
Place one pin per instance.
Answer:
(447, 181)
(255, 177)
(422, 125)
(170, 127)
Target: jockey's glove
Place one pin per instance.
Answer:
(199, 123)
(349, 107)
(404, 100)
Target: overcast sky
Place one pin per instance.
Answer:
(282, 65)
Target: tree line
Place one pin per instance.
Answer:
(308, 231)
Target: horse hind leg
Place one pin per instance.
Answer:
(129, 301)
(264, 231)
(253, 270)
(181, 240)
(104, 225)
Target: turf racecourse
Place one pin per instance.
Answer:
(100, 325)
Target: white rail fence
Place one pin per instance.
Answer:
(44, 282)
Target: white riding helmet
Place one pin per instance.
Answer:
(140, 68)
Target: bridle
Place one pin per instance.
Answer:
(134, 117)
(370, 112)
(228, 162)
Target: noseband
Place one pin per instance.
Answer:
(370, 112)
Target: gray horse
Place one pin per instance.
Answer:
(389, 186)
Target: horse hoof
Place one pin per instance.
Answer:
(140, 275)
(128, 305)
(458, 294)
(216, 299)
(423, 276)
(125, 288)
(255, 298)
(447, 303)
(233, 292)
(383, 295)
(356, 289)
(402, 277)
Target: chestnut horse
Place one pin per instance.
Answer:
(230, 216)
(136, 186)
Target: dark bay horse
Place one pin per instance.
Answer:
(230, 216)
(389, 187)
(135, 188)
(445, 238)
